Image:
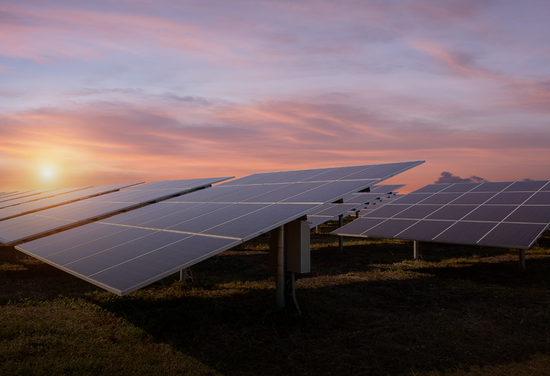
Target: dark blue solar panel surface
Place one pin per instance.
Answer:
(504, 214)
(87, 209)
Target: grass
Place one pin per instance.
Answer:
(368, 310)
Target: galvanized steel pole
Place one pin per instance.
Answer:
(417, 252)
(522, 259)
(341, 223)
(280, 267)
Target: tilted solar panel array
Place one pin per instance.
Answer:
(28, 226)
(133, 249)
(37, 195)
(45, 203)
(5, 200)
(352, 202)
(503, 214)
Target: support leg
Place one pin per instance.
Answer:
(293, 286)
(186, 274)
(417, 252)
(522, 259)
(280, 267)
(341, 238)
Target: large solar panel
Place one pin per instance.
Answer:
(49, 202)
(19, 195)
(501, 214)
(28, 226)
(130, 250)
(38, 195)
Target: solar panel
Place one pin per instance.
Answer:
(38, 195)
(386, 188)
(45, 203)
(352, 203)
(503, 214)
(18, 195)
(197, 225)
(59, 217)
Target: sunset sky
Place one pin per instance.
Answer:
(103, 92)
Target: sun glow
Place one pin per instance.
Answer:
(48, 174)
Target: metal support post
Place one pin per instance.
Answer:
(522, 259)
(417, 252)
(341, 238)
(293, 285)
(280, 267)
(186, 274)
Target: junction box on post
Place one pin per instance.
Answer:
(297, 247)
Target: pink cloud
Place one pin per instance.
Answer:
(97, 145)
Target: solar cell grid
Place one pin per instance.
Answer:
(261, 221)
(412, 198)
(539, 198)
(383, 170)
(386, 188)
(360, 225)
(136, 217)
(347, 173)
(425, 230)
(491, 187)
(513, 235)
(88, 209)
(530, 214)
(509, 198)
(452, 212)
(460, 187)
(441, 198)
(302, 175)
(492, 213)
(388, 211)
(391, 227)
(329, 192)
(336, 209)
(474, 213)
(78, 237)
(206, 221)
(474, 198)
(529, 186)
(417, 211)
(431, 188)
(279, 192)
(121, 253)
(162, 221)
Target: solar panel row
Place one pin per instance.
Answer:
(130, 250)
(37, 196)
(41, 204)
(504, 214)
(28, 226)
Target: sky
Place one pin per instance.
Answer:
(104, 92)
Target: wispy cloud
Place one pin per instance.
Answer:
(165, 90)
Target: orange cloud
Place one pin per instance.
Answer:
(94, 145)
